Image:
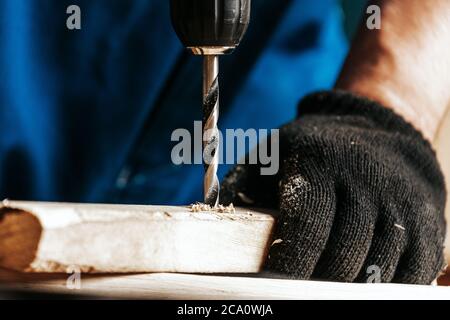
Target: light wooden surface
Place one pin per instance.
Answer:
(185, 286)
(442, 146)
(55, 237)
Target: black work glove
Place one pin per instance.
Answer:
(359, 192)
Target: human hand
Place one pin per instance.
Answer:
(358, 187)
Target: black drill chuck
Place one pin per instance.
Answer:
(203, 25)
(210, 28)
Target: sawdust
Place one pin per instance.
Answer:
(226, 209)
(58, 267)
(399, 227)
(201, 207)
(278, 241)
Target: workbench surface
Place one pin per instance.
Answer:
(186, 286)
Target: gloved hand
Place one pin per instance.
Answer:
(359, 190)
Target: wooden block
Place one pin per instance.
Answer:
(52, 237)
(187, 286)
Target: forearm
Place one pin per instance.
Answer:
(405, 65)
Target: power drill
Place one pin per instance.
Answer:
(210, 28)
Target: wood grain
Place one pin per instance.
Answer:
(186, 286)
(52, 237)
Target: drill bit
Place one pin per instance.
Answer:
(209, 29)
(210, 130)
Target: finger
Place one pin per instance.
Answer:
(420, 265)
(388, 244)
(350, 237)
(307, 206)
(423, 258)
(422, 261)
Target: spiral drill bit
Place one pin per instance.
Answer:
(210, 129)
(210, 28)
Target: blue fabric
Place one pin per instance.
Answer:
(87, 115)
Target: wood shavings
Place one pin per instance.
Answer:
(201, 207)
(226, 209)
(278, 241)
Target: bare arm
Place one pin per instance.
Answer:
(406, 64)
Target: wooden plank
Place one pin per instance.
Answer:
(186, 286)
(52, 237)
